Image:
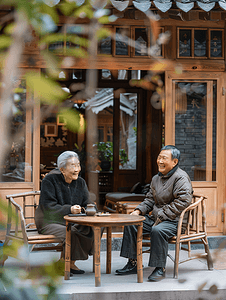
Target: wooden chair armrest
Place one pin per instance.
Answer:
(190, 207)
(109, 209)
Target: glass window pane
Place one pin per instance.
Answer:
(122, 75)
(128, 131)
(77, 74)
(17, 167)
(100, 133)
(105, 46)
(141, 41)
(136, 74)
(105, 74)
(184, 42)
(102, 105)
(122, 41)
(190, 127)
(200, 43)
(216, 43)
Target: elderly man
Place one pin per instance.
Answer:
(170, 193)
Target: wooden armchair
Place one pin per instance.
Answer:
(20, 229)
(194, 234)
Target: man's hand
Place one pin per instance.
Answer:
(135, 212)
(76, 209)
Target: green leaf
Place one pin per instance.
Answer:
(46, 89)
(26, 7)
(52, 38)
(83, 12)
(72, 118)
(9, 28)
(103, 33)
(50, 11)
(18, 90)
(5, 42)
(67, 8)
(51, 62)
(77, 40)
(5, 210)
(13, 249)
(78, 52)
(103, 20)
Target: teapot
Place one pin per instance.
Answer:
(90, 209)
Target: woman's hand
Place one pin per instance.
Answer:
(135, 212)
(76, 209)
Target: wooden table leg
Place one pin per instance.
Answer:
(67, 251)
(97, 239)
(139, 253)
(108, 265)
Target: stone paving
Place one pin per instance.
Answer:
(195, 280)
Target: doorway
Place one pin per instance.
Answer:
(124, 124)
(194, 122)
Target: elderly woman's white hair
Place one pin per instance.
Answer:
(64, 157)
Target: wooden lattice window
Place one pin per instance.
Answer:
(200, 43)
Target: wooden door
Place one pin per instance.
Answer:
(195, 123)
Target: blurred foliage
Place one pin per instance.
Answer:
(48, 275)
(42, 18)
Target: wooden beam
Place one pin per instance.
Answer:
(133, 63)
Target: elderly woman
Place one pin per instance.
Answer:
(64, 192)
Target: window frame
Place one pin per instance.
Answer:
(208, 42)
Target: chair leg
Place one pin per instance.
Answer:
(176, 261)
(93, 264)
(209, 257)
(189, 249)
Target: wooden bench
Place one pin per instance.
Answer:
(116, 197)
(21, 225)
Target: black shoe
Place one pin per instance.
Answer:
(129, 268)
(77, 271)
(157, 275)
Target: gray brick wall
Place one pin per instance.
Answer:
(190, 135)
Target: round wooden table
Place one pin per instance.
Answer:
(97, 222)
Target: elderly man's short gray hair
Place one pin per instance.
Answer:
(64, 157)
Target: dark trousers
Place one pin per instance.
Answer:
(82, 239)
(159, 234)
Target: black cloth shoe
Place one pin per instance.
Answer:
(129, 268)
(77, 271)
(158, 274)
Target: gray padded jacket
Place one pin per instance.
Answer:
(168, 196)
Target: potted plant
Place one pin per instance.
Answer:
(105, 154)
